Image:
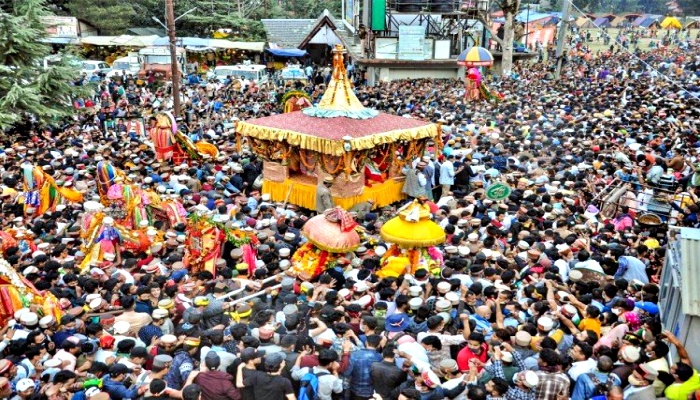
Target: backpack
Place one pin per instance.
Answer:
(601, 388)
(308, 388)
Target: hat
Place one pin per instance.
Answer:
(250, 353)
(328, 179)
(159, 313)
(121, 327)
(284, 265)
(192, 341)
(29, 319)
(569, 310)
(47, 321)
(523, 338)
(415, 291)
(161, 360)
(630, 354)
(448, 365)
(442, 305)
(443, 287)
(527, 378)
(430, 379)
(168, 339)
(397, 323)
(30, 270)
(415, 303)
(274, 360)
(546, 323)
(118, 369)
(266, 332)
(5, 365)
(212, 360)
(24, 384)
(201, 301)
(360, 286)
(507, 356)
(18, 314)
(523, 245)
(166, 304)
(563, 296)
(575, 275)
(646, 371)
(91, 392)
(52, 363)
(452, 297)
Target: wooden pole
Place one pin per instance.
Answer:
(254, 295)
(566, 8)
(170, 21)
(235, 292)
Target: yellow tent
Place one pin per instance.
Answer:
(671, 23)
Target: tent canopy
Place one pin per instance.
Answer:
(671, 23)
(601, 22)
(204, 44)
(287, 52)
(123, 40)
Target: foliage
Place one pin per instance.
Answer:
(28, 91)
(114, 17)
(110, 17)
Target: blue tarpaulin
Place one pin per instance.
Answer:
(287, 52)
(524, 17)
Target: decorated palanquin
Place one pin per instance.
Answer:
(413, 236)
(172, 145)
(42, 193)
(205, 241)
(330, 235)
(123, 218)
(17, 293)
(362, 149)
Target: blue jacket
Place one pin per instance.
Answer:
(117, 390)
(359, 371)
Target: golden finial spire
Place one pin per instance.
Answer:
(339, 98)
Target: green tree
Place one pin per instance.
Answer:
(27, 89)
(110, 17)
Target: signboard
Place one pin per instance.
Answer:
(61, 26)
(411, 43)
(498, 191)
(350, 11)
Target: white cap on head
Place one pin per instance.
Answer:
(121, 327)
(415, 303)
(546, 323)
(29, 319)
(507, 356)
(360, 286)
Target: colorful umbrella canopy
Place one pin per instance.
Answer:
(413, 228)
(333, 231)
(475, 57)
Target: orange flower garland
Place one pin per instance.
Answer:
(308, 261)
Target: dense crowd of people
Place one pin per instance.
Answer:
(549, 293)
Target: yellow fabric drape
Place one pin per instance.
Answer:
(71, 195)
(304, 194)
(330, 146)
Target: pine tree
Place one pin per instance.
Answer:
(28, 91)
